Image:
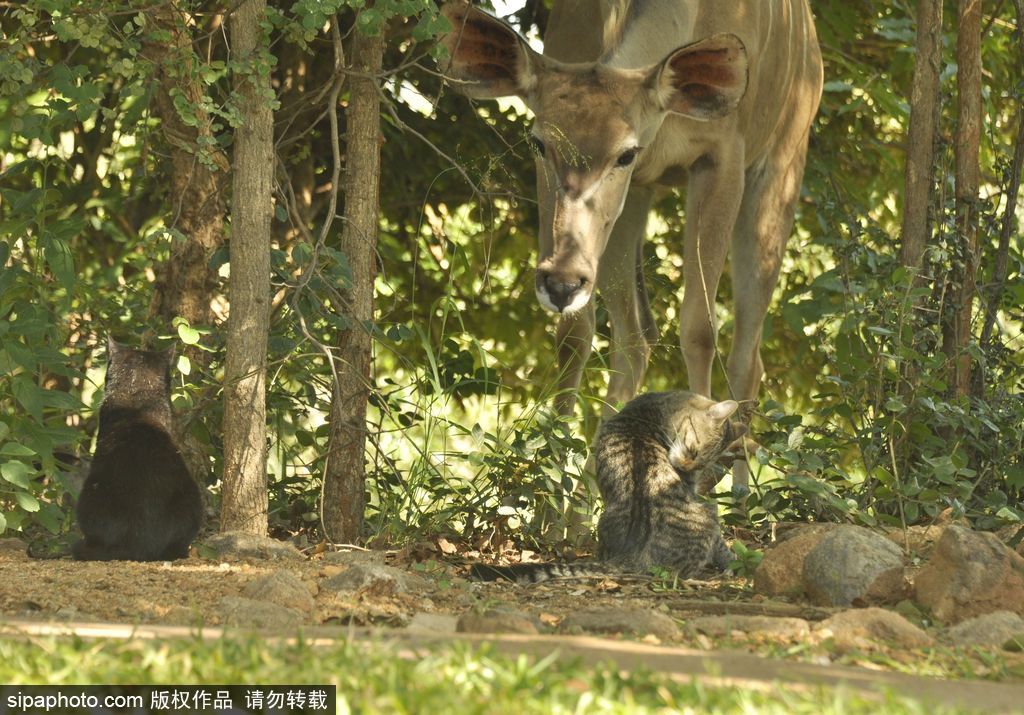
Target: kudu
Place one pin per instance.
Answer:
(634, 95)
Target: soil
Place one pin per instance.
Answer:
(189, 591)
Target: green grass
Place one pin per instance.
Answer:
(457, 679)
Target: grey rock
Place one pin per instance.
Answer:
(348, 558)
(970, 573)
(496, 620)
(990, 630)
(760, 627)
(283, 588)
(247, 613)
(376, 576)
(433, 623)
(636, 621)
(240, 545)
(13, 547)
(864, 628)
(854, 566)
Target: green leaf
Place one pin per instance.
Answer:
(1008, 514)
(184, 365)
(13, 449)
(188, 334)
(16, 473)
(26, 501)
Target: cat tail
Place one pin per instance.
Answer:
(526, 574)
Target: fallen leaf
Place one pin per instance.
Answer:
(446, 546)
(550, 619)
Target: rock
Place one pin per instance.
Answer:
(781, 570)
(240, 545)
(635, 621)
(763, 627)
(918, 539)
(71, 613)
(496, 620)
(283, 588)
(433, 623)
(1008, 534)
(247, 613)
(863, 628)
(13, 547)
(970, 573)
(991, 630)
(348, 558)
(378, 577)
(854, 566)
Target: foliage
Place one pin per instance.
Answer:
(374, 679)
(855, 422)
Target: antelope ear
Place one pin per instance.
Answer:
(704, 80)
(488, 58)
(721, 411)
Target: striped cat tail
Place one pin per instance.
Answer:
(526, 574)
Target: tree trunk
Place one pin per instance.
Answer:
(186, 282)
(345, 470)
(924, 103)
(244, 505)
(957, 313)
(994, 293)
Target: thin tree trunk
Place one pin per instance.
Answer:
(244, 505)
(994, 294)
(924, 97)
(186, 283)
(345, 471)
(958, 311)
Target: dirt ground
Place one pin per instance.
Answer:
(190, 591)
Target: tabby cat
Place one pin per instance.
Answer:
(139, 502)
(650, 457)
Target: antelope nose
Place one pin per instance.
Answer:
(561, 289)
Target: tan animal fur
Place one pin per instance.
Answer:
(631, 96)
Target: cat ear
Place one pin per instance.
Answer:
(114, 348)
(721, 411)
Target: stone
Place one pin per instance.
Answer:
(378, 577)
(283, 588)
(968, 574)
(433, 623)
(247, 613)
(634, 621)
(854, 566)
(13, 547)
(758, 627)
(990, 630)
(240, 545)
(1010, 536)
(781, 570)
(348, 558)
(918, 540)
(865, 628)
(496, 620)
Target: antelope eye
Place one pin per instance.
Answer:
(537, 145)
(627, 157)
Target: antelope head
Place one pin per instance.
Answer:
(592, 125)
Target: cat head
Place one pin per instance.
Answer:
(703, 432)
(131, 371)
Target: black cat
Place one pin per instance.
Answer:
(139, 502)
